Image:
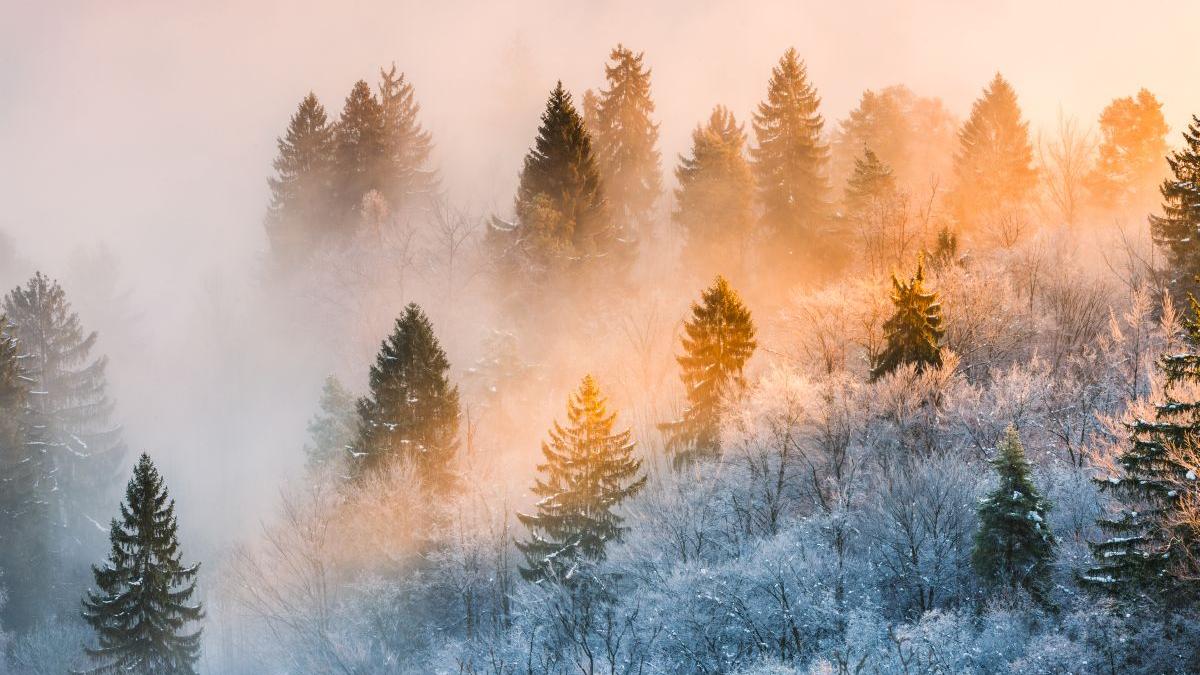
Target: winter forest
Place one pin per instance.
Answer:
(614, 338)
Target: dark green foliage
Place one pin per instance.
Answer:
(360, 151)
(589, 471)
(412, 410)
(1014, 545)
(626, 139)
(791, 158)
(1176, 229)
(871, 183)
(142, 604)
(333, 430)
(715, 195)
(945, 249)
(719, 340)
(915, 330)
(409, 180)
(994, 164)
(1142, 546)
(299, 215)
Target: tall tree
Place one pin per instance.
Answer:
(791, 157)
(1175, 230)
(412, 410)
(588, 472)
(1133, 144)
(872, 182)
(627, 140)
(1014, 545)
(299, 215)
(361, 152)
(143, 602)
(333, 430)
(410, 182)
(914, 330)
(714, 200)
(719, 339)
(994, 164)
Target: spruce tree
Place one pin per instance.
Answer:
(914, 330)
(994, 164)
(790, 160)
(412, 410)
(588, 472)
(143, 602)
(361, 153)
(871, 183)
(410, 182)
(719, 340)
(1014, 545)
(627, 140)
(333, 430)
(714, 200)
(1175, 230)
(298, 218)
(1133, 144)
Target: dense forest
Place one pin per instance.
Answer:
(903, 392)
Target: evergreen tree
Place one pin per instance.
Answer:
(914, 330)
(1142, 546)
(410, 182)
(994, 163)
(1175, 230)
(715, 195)
(790, 160)
(412, 410)
(627, 140)
(589, 471)
(1133, 143)
(361, 152)
(333, 430)
(719, 340)
(298, 217)
(1014, 545)
(871, 183)
(142, 604)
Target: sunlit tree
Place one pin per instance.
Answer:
(1133, 144)
(914, 331)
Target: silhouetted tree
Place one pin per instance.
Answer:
(914, 330)
(299, 217)
(1176, 229)
(361, 152)
(409, 182)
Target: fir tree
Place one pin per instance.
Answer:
(142, 604)
(790, 160)
(1133, 143)
(410, 182)
(915, 329)
(361, 152)
(1014, 545)
(589, 471)
(715, 195)
(994, 163)
(412, 410)
(300, 191)
(1176, 229)
(333, 430)
(871, 183)
(719, 340)
(627, 139)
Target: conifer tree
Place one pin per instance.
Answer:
(1133, 144)
(588, 472)
(871, 183)
(361, 152)
(1014, 545)
(298, 218)
(412, 410)
(143, 602)
(1175, 230)
(626, 140)
(791, 157)
(719, 340)
(333, 430)
(994, 163)
(410, 182)
(715, 195)
(915, 330)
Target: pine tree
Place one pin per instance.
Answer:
(1014, 545)
(333, 430)
(361, 153)
(915, 329)
(715, 196)
(298, 217)
(410, 182)
(719, 341)
(412, 410)
(790, 160)
(626, 140)
(994, 163)
(871, 183)
(589, 471)
(1129, 162)
(1175, 230)
(142, 604)
(1142, 547)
